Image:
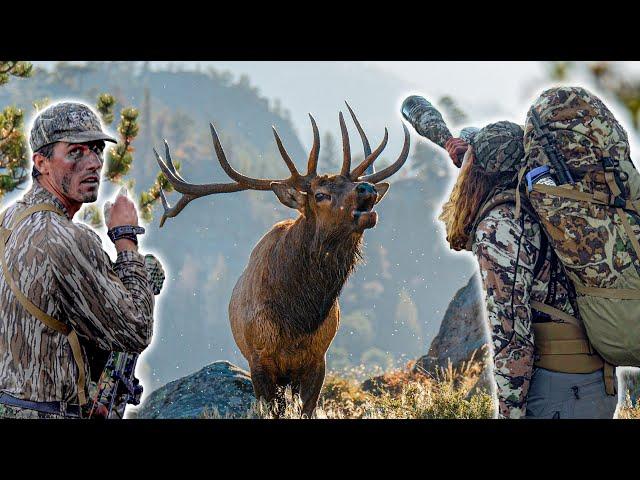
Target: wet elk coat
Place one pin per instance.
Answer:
(284, 310)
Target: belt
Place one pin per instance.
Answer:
(53, 408)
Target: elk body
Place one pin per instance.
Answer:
(284, 309)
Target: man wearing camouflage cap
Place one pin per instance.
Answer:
(517, 270)
(62, 298)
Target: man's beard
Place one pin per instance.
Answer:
(87, 197)
(90, 197)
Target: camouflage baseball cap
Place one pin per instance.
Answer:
(66, 122)
(499, 147)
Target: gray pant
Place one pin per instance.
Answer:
(569, 395)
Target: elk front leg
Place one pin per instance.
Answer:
(267, 385)
(310, 386)
(264, 386)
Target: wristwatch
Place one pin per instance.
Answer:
(130, 232)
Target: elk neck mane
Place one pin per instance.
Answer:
(307, 269)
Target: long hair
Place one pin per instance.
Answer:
(470, 191)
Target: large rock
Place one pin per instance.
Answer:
(219, 386)
(461, 333)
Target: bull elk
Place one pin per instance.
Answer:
(284, 310)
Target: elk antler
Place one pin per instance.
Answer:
(394, 167)
(367, 148)
(192, 191)
(300, 182)
(370, 157)
(189, 191)
(312, 166)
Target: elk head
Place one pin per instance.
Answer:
(334, 202)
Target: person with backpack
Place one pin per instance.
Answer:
(544, 363)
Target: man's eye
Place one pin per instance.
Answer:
(97, 149)
(322, 196)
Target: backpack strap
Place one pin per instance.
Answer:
(557, 313)
(30, 307)
(542, 254)
(599, 198)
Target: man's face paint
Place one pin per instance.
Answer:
(75, 170)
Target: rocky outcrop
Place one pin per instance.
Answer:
(461, 333)
(220, 386)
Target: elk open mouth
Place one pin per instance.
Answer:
(363, 215)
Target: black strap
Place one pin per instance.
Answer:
(52, 408)
(129, 232)
(542, 253)
(553, 280)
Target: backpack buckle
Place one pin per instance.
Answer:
(609, 164)
(619, 202)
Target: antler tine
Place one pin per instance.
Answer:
(363, 136)
(365, 143)
(312, 166)
(285, 156)
(169, 211)
(252, 183)
(346, 149)
(395, 166)
(368, 161)
(179, 184)
(170, 164)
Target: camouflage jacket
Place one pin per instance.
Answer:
(501, 244)
(61, 267)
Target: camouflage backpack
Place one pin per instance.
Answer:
(590, 216)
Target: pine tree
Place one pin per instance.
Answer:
(14, 69)
(14, 158)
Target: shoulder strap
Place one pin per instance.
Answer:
(542, 253)
(30, 307)
(555, 312)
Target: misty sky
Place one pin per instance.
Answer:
(468, 80)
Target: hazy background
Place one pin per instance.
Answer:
(392, 306)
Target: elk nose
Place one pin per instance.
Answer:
(365, 188)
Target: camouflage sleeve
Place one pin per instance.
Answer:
(109, 304)
(499, 242)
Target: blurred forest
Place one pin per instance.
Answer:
(392, 306)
